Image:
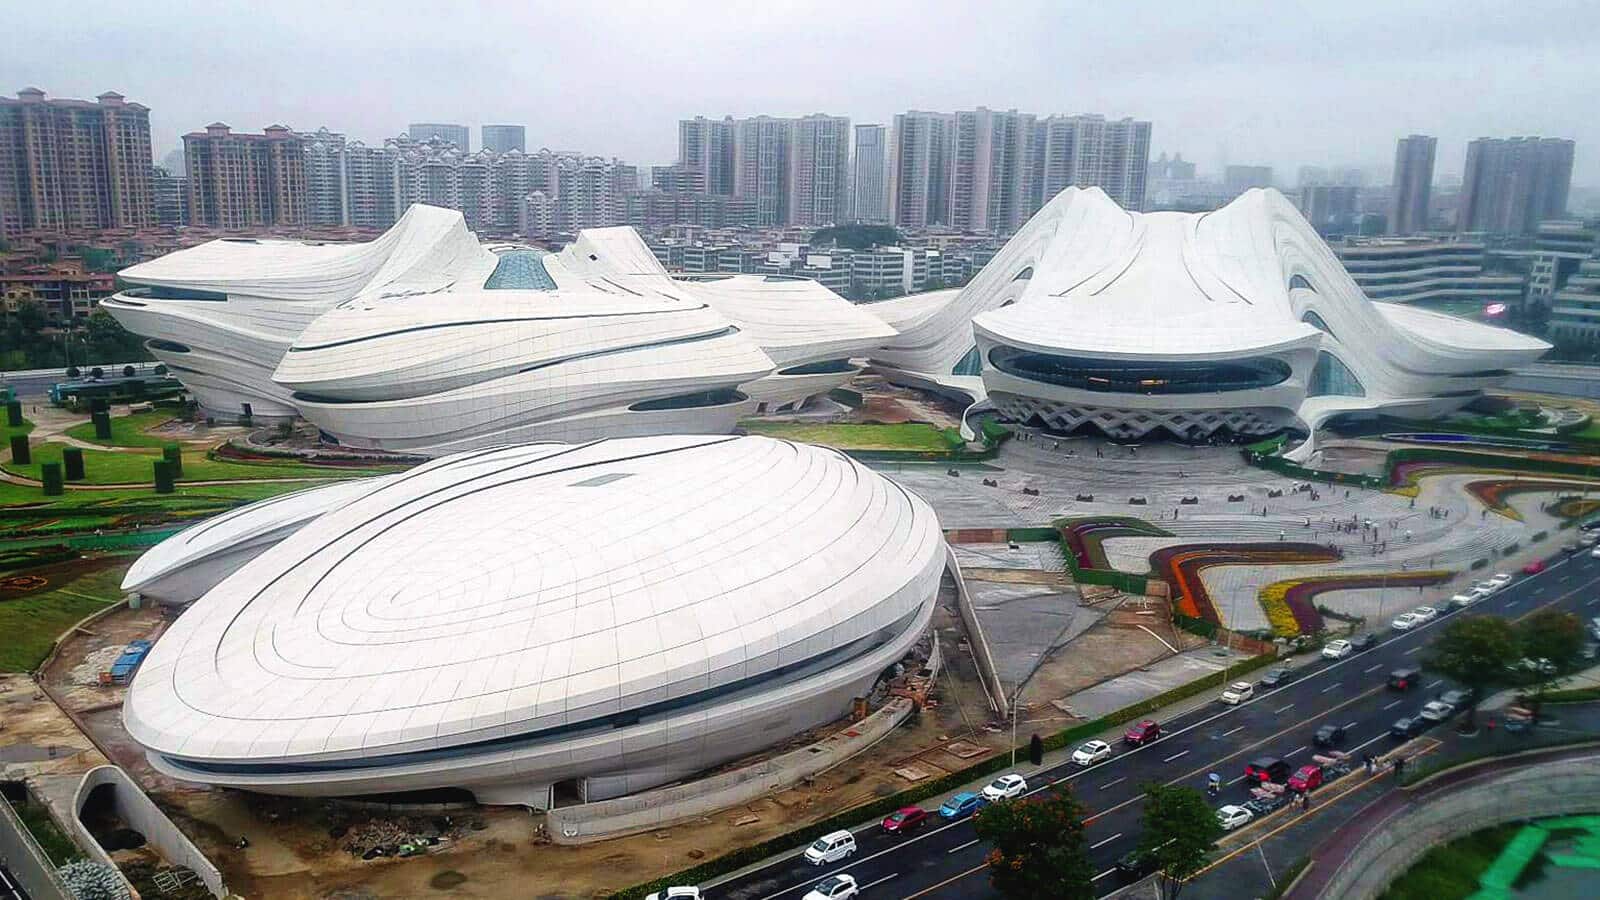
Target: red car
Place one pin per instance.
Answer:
(1142, 733)
(1308, 778)
(905, 819)
(1534, 567)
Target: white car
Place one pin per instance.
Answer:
(676, 893)
(1462, 601)
(1595, 553)
(834, 887)
(1425, 614)
(831, 847)
(1437, 711)
(1484, 589)
(1499, 579)
(1238, 692)
(1091, 752)
(1231, 817)
(1405, 622)
(1337, 649)
(1004, 788)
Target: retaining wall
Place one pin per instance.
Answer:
(142, 815)
(21, 856)
(981, 654)
(1563, 787)
(647, 811)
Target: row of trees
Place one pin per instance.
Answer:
(1039, 848)
(1485, 652)
(29, 340)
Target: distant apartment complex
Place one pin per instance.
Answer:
(1575, 313)
(460, 135)
(239, 181)
(988, 171)
(1512, 184)
(1412, 185)
(1446, 275)
(869, 182)
(796, 171)
(74, 164)
(504, 138)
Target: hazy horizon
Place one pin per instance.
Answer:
(1234, 82)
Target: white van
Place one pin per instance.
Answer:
(831, 848)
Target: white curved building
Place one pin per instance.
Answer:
(581, 620)
(425, 341)
(1239, 321)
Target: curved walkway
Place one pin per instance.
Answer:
(1393, 832)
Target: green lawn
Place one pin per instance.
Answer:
(127, 431)
(1451, 872)
(846, 436)
(55, 844)
(31, 624)
(134, 466)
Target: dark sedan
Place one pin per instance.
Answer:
(1277, 676)
(1407, 728)
(1329, 735)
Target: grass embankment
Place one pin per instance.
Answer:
(134, 466)
(1452, 871)
(27, 514)
(32, 623)
(55, 844)
(860, 436)
(128, 431)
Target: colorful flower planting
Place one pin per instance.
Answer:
(1084, 537)
(1181, 568)
(1291, 604)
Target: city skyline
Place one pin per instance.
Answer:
(1272, 110)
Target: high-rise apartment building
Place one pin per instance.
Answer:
(1238, 179)
(246, 180)
(869, 189)
(1089, 151)
(460, 135)
(74, 164)
(678, 179)
(922, 151)
(819, 170)
(1412, 185)
(169, 195)
(1174, 169)
(707, 145)
(505, 138)
(993, 186)
(326, 197)
(761, 166)
(1331, 208)
(371, 186)
(1511, 184)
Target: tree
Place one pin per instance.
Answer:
(1552, 649)
(1474, 652)
(1180, 828)
(1039, 848)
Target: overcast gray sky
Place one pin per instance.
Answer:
(1242, 81)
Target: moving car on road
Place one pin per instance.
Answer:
(1499, 579)
(1436, 711)
(676, 893)
(1459, 698)
(831, 847)
(1337, 649)
(1364, 642)
(1277, 676)
(904, 819)
(1267, 768)
(1238, 692)
(1143, 733)
(1463, 600)
(1136, 864)
(1425, 613)
(963, 804)
(1231, 817)
(1404, 679)
(1407, 728)
(1307, 778)
(1405, 622)
(1005, 788)
(1329, 735)
(1091, 752)
(1534, 567)
(834, 887)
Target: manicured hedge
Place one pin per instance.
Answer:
(1031, 535)
(744, 856)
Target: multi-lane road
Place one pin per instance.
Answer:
(945, 859)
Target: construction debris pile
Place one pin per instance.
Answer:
(399, 836)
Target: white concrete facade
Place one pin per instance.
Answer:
(607, 616)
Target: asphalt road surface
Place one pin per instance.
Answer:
(945, 860)
(9, 888)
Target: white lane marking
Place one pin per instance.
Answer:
(1349, 725)
(1330, 687)
(962, 847)
(1280, 710)
(1113, 783)
(1177, 755)
(1294, 751)
(1237, 780)
(880, 881)
(1394, 704)
(1591, 602)
(1105, 842)
(1414, 649)
(1436, 682)
(1370, 741)
(1232, 730)
(1370, 669)
(1103, 874)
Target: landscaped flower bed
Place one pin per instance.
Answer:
(1181, 568)
(1291, 604)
